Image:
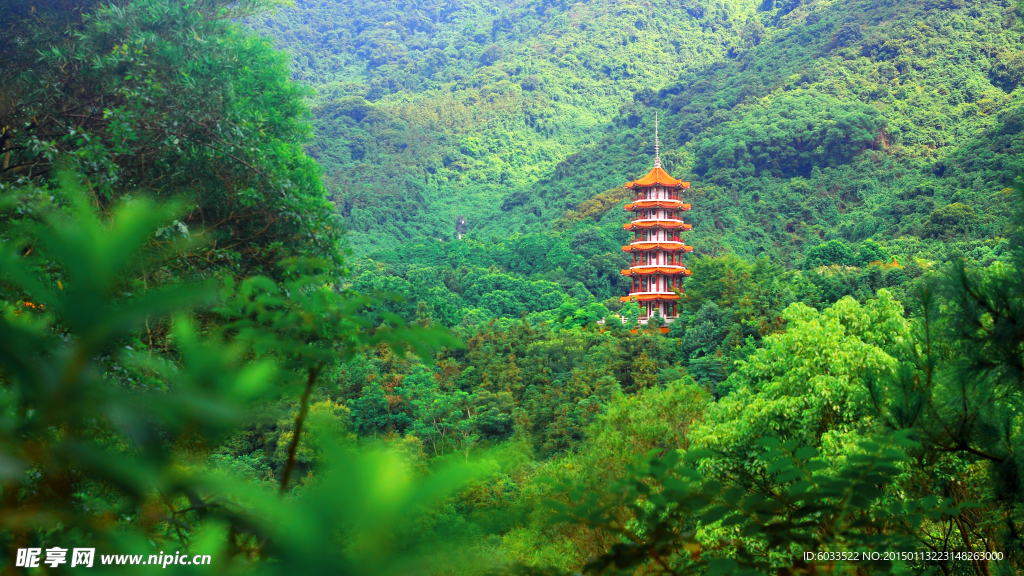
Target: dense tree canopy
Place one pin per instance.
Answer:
(793, 134)
(169, 97)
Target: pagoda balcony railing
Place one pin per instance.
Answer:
(664, 245)
(665, 223)
(665, 269)
(669, 204)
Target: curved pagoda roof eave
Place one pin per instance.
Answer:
(655, 245)
(656, 270)
(663, 224)
(658, 177)
(667, 204)
(648, 297)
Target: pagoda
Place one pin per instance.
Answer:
(657, 271)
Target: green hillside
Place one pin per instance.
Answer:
(799, 124)
(430, 110)
(850, 121)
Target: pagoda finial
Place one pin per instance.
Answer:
(657, 143)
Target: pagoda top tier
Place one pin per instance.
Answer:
(658, 177)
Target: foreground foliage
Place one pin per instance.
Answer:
(98, 434)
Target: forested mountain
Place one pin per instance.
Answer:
(429, 110)
(815, 113)
(815, 134)
(200, 366)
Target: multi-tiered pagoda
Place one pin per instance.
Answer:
(657, 247)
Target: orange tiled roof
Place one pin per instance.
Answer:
(670, 204)
(649, 297)
(658, 177)
(666, 224)
(666, 270)
(645, 246)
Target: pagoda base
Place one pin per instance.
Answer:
(643, 320)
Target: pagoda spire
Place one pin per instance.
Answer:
(657, 143)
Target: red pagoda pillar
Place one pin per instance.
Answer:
(657, 247)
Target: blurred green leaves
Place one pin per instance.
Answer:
(83, 451)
